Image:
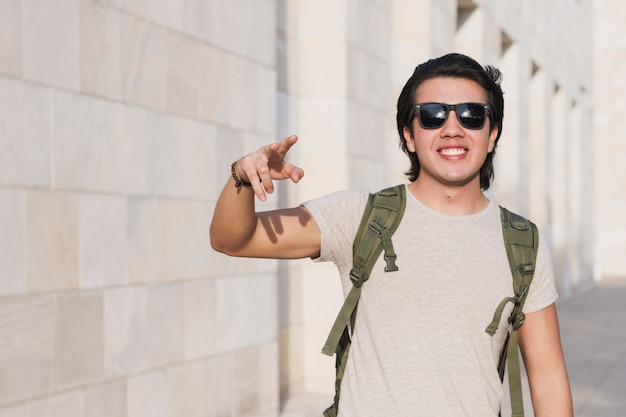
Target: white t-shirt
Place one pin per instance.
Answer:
(419, 346)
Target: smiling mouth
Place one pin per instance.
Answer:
(452, 151)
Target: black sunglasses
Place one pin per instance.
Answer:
(434, 115)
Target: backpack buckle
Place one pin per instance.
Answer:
(391, 263)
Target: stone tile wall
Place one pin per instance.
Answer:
(118, 122)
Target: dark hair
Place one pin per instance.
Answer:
(458, 66)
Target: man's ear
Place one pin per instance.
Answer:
(408, 136)
(492, 138)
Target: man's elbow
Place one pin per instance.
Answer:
(218, 243)
(218, 246)
(222, 245)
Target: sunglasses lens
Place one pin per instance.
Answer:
(432, 115)
(471, 115)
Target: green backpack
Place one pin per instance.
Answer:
(380, 220)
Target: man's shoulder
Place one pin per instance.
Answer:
(342, 198)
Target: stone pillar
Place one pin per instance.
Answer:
(539, 114)
(610, 139)
(559, 188)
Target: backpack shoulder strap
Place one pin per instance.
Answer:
(381, 218)
(521, 240)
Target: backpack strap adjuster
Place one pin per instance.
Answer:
(526, 269)
(517, 320)
(356, 276)
(384, 235)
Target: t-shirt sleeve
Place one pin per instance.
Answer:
(542, 292)
(338, 216)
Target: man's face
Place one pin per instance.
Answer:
(452, 154)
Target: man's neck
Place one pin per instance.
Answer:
(453, 200)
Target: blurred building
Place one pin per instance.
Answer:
(118, 123)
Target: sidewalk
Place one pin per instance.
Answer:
(593, 331)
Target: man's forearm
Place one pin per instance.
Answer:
(234, 219)
(553, 400)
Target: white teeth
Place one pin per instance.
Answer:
(452, 151)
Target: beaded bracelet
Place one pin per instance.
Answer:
(238, 182)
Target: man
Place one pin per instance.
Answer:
(419, 345)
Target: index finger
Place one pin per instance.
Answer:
(286, 144)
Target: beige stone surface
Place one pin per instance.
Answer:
(12, 242)
(79, 133)
(185, 238)
(221, 380)
(125, 331)
(246, 311)
(147, 395)
(190, 394)
(100, 53)
(197, 142)
(197, 16)
(228, 31)
(164, 162)
(10, 39)
(268, 386)
(27, 348)
(259, 18)
(165, 324)
(216, 92)
(103, 241)
(24, 134)
(199, 319)
(144, 62)
(68, 404)
(183, 75)
(50, 46)
(80, 351)
(145, 241)
(105, 400)
(51, 240)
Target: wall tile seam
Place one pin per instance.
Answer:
(190, 36)
(81, 387)
(127, 195)
(243, 131)
(64, 391)
(271, 273)
(381, 110)
(163, 199)
(134, 285)
(136, 104)
(146, 371)
(372, 55)
(242, 350)
(55, 294)
(129, 104)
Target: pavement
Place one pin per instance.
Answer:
(593, 333)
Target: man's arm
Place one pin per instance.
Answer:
(238, 230)
(540, 343)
